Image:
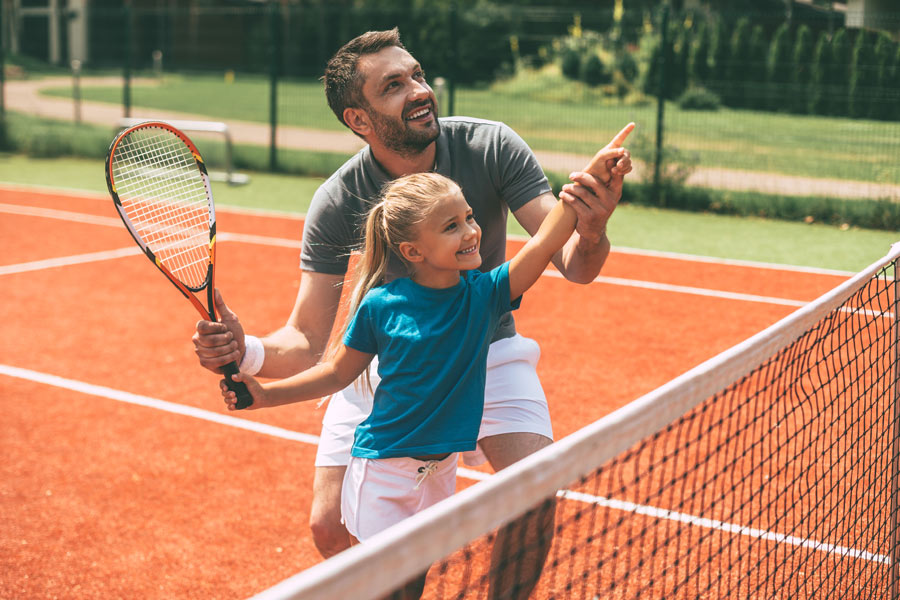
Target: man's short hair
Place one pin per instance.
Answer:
(343, 82)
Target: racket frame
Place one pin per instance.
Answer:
(208, 311)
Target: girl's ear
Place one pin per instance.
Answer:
(409, 252)
(357, 120)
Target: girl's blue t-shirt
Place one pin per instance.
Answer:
(432, 347)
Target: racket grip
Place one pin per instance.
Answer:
(244, 399)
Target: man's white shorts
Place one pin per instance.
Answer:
(378, 493)
(514, 402)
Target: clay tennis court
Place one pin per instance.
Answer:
(124, 477)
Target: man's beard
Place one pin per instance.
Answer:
(398, 137)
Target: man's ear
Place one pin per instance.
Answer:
(358, 120)
(409, 252)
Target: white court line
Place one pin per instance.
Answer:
(163, 405)
(63, 215)
(684, 289)
(287, 243)
(262, 212)
(732, 262)
(286, 434)
(761, 534)
(64, 261)
(264, 240)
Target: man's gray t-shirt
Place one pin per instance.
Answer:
(493, 166)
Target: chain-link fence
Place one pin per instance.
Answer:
(799, 103)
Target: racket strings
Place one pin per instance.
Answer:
(164, 196)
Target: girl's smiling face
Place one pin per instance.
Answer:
(448, 242)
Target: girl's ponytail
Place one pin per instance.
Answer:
(369, 272)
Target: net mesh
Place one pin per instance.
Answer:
(782, 484)
(166, 201)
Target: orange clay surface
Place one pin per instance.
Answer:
(105, 499)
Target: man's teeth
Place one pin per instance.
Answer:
(419, 113)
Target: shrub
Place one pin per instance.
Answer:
(627, 66)
(593, 71)
(571, 64)
(699, 98)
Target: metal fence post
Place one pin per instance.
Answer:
(454, 57)
(126, 71)
(2, 80)
(661, 103)
(2, 66)
(274, 65)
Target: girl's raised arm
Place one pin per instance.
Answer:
(528, 264)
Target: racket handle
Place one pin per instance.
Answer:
(244, 399)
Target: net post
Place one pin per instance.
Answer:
(895, 462)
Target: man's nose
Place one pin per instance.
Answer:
(419, 90)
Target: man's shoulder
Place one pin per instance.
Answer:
(467, 134)
(344, 177)
(469, 125)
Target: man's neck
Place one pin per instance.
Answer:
(397, 165)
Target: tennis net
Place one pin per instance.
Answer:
(771, 470)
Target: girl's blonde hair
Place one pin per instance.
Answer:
(403, 205)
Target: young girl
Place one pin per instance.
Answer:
(430, 332)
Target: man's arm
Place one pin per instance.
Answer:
(594, 194)
(582, 258)
(296, 346)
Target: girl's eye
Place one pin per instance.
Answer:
(450, 227)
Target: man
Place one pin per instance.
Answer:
(378, 90)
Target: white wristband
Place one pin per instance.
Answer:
(254, 355)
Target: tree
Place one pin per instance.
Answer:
(679, 38)
(863, 80)
(736, 74)
(837, 87)
(821, 66)
(758, 82)
(721, 53)
(698, 61)
(802, 61)
(885, 52)
(780, 67)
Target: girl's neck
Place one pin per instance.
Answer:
(435, 279)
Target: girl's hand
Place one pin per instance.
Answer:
(253, 386)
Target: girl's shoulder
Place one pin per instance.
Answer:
(385, 293)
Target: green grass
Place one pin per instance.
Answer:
(632, 226)
(265, 190)
(553, 114)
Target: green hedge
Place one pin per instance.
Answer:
(47, 139)
(866, 213)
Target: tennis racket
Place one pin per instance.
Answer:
(161, 190)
